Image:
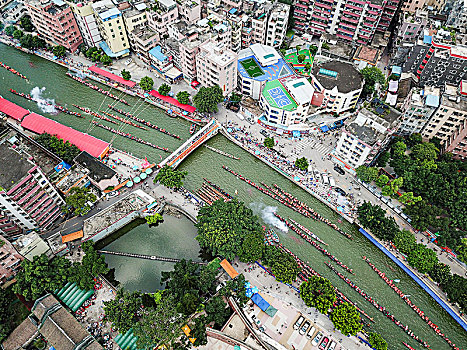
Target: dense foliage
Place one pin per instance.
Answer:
(146, 83)
(77, 201)
(422, 258)
(319, 293)
(26, 24)
(366, 174)
(207, 99)
(404, 241)
(59, 51)
(282, 265)
(164, 89)
(92, 265)
(269, 142)
(377, 341)
(97, 55)
(372, 76)
(154, 219)
(125, 74)
(41, 275)
(170, 177)
(346, 319)
(198, 331)
(10, 30)
(183, 97)
(461, 250)
(64, 149)
(122, 310)
(223, 226)
(301, 163)
(217, 312)
(372, 217)
(32, 42)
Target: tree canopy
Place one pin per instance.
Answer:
(122, 310)
(269, 142)
(77, 201)
(282, 265)
(170, 177)
(217, 311)
(461, 250)
(59, 51)
(404, 241)
(154, 219)
(63, 149)
(301, 163)
(183, 97)
(366, 174)
(207, 99)
(17, 34)
(422, 258)
(164, 89)
(372, 217)
(223, 226)
(319, 293)
(346, 319)
(10, 30)
(26, 24)
(146, 83)
(377, 341)
(372, 76)
(125, 74)
(41, 275)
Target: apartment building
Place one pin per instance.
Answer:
(457, 143)
(10, 261)
(337, 85)
(27, 198)
(418, 107)
(12, 12)
(277, 25)
(189, 10)
(216, 65)
(449, 117)
(161, 15)
(55, 23)
(142, 41)
(458, 16)
(84, 15)
(135, 18)
(362, 138)
(189, 48)
(349, 20)
(412, 5)
(285, 101)
(412, 25)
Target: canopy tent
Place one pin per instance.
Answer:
(137, 179)
(148, 171)
(129, 184)
(143, 175)
(12, 110)
(112, 76)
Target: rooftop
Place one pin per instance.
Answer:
(348, 77)
(13, 168)
(300, 89)
(367, 54)
(278, 97)
(156, 52)
(266, 55)
(98, 171)
(217, 53)
(247, 60)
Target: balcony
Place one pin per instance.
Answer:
(300, 12)
(349, 19)
(346, 31)
(344, 37)
(323, 5)
(317, 28)
(358, 8)
(364, 35)
(376, 13)
(350, 13)
(322, 18)
(319, 23)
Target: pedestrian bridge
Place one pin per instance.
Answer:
(208, 131)
(147, 257)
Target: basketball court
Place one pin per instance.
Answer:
(276, 95)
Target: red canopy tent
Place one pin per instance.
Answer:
(112, 76)
(12, 110)
(172, 101)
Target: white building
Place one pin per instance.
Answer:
(86, 21)
(418, 108)
(216, 65)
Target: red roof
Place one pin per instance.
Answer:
(173, 101)
(39, 124)
(112, 76)
(12, 110)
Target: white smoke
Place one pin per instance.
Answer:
(80, 74)
(46, 105)
(266, 213)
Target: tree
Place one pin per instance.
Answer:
(377, 342)
(236, 288)
(122, 311)
(154, 219)
(207, 99)
(41, 275)
(366, 174)
(63, 149)
(285, 268)
(313, 50)
(17, 34)
(125, 74)
(170, 177)
(301, 163)
(269, 142)
(398, 149)
(404, 241)
(198, 332)
(38, 43)
(382, 180)
(307, 66)
(422, 258)
(223, 226)
(106, 60)
(216, 311)
(319, 293)
(414, 139)
(10, 30)
(456, 289)
(235, 98)
(1, 26)
(372, 217)
(372, 75)
(146, 83)
(325, 46)
(183, 97)
(164, 89)
(77, 201)
(441, 273)
(59, 51)
(298, 48)
(252, 248)
(92, 265)
(424, 152)
(26, 24)
(462, 250)
(301, 58)
(346, 319)
(393, 187)
(383, 159)
(408, 198)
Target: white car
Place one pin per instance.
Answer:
(332, 346)
(299, 322)
(304, 328)
(128, 61)
(310, 333)
(317, 339)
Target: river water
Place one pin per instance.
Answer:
(205, 163)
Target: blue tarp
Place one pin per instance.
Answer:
(103, 45)
(232, 11)
(324, 128)
(156, 52)
(296, 133)
(258, 300)
(427, 39)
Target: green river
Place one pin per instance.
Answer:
(205, 163)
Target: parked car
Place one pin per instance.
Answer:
(299, 322)
(304, 328)
(332, 346)
(264, 133)
(310, 333)
(324, 343)
(317, 339)
(128, 61)
(340, 191)
(339, 170)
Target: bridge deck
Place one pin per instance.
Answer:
(147, 257)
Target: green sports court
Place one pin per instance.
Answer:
(252, 68)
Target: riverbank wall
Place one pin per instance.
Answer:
(422, 284)
(283, 173)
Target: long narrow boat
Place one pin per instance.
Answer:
(124, 120)
(97, 88)
(221, 152)
(142, 121)
(218, 188)
(382, 309)
(58, 107)
(14, 71)
(129, 136)
(404, 297)
(304, 229)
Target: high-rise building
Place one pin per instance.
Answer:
(86, 21)
(55, 23)
(412, 5)
(216, 65)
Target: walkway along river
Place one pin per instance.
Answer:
(206, 163)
